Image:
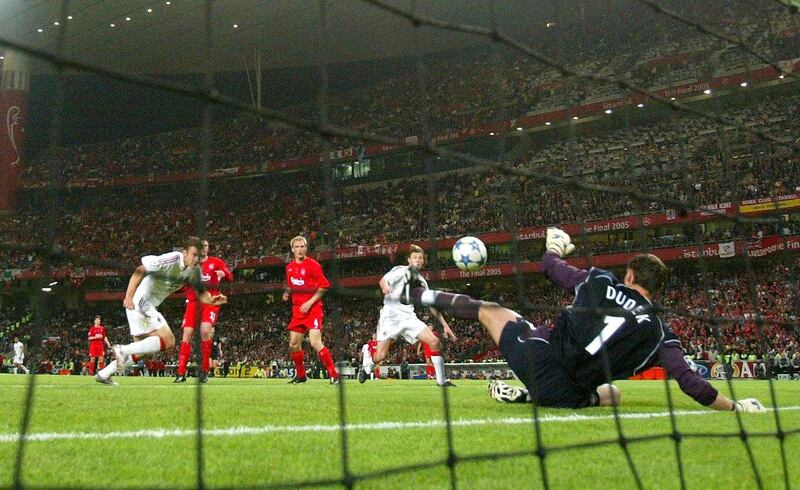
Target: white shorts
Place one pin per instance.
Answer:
(142, 322)
(19, 360)
(392, 326)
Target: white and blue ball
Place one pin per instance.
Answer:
(469, 254)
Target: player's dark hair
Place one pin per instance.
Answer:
(96, 317)
(649, 272)
(193, 241)
(416, 249)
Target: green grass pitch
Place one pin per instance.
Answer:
(266, 432)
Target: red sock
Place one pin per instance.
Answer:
(135, 358)
(183, 357)
(327, 359)
(205, 353)
(91, 367)
(430, 371)
(299, 368)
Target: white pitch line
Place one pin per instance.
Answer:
(378, 426)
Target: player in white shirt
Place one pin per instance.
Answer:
(399, 320)
(19, 356)
(149, 286)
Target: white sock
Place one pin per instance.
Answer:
(25, 369)
(146, 346)
(367, 363)
(438, 366)
(428, 297)
(109, 370)
(15, 370)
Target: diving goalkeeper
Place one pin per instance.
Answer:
(611, 331)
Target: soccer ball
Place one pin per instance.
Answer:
(469, 254)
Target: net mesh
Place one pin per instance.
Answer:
(522, 173)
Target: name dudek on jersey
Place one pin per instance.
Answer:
(620, 298)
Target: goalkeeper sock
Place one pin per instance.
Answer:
(299, 368)
(205, 354)
(457, 305)
(438, 366)
(183, 357)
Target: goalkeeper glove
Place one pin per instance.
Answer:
(506, 393)
(559, 242)
(749, 405)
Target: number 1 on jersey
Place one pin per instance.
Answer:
(613, 323)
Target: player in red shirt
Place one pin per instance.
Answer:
(430, 371)
(213, 271)
(98, 341)
(305, 284)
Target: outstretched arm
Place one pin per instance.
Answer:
(690, 382)
(448, 333)
(698, 388)
(561, 273)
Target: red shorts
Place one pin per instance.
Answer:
(427, 349)
(207, 314)
(97, 350)
(302, 323)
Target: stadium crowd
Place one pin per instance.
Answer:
(254, 218)
(462, 89)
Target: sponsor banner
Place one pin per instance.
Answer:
(14, 112)
(770, 245)
(148, 179)
(77, 273)
(245, 371)
(341, 154)
(782, 202)
(770, 199)
(736, 369)
(703, 368)
(727, 250)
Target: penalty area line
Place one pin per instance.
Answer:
(377, 426)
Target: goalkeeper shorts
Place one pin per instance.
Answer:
(530, 357)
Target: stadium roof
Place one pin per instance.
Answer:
(161, 36)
